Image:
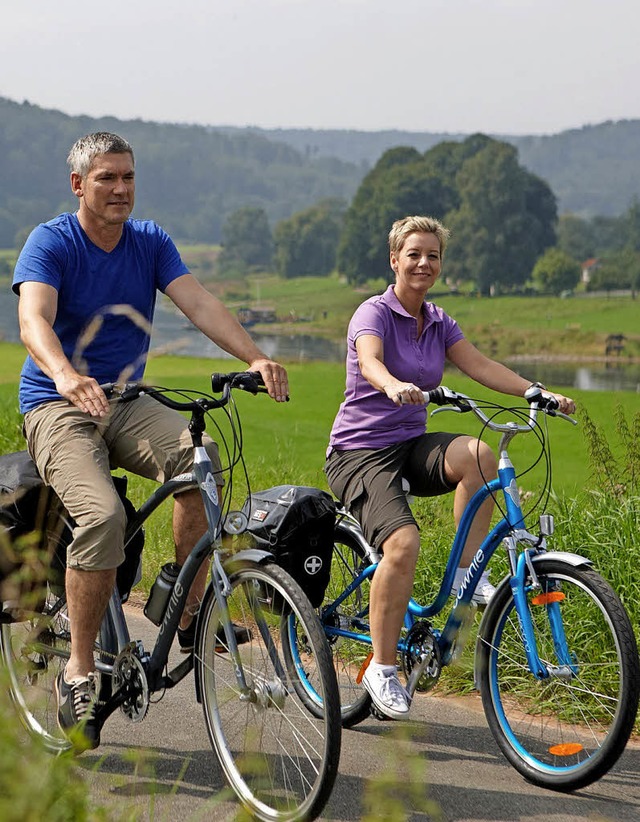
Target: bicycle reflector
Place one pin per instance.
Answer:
(566, 749)
(548, 598)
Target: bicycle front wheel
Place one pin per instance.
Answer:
(280, 758)
(34, 651)
(567, 730)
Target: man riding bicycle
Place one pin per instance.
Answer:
(87, 285)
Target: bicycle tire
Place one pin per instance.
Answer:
(561, 733)
(34, 651)
(280, 759)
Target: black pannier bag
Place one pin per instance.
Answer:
(28, 506)
(296, 523)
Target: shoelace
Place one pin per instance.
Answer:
(392, 691)
(83, 694)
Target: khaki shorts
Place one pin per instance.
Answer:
(368, 482)
(75, 454)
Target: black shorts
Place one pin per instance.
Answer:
(368, 482)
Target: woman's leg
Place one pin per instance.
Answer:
(470, 463)
(390, 591)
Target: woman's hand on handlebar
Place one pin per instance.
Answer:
(565, 404)
(274, 376)
(404, 393)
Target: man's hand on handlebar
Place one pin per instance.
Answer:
(274, 376)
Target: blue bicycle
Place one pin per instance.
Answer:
(556, 659)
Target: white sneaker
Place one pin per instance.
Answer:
(484, 589)
(388, 695)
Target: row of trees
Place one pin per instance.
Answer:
(506, 235)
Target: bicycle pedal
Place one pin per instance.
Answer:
(377, 714)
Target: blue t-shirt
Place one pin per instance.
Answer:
(95, 288)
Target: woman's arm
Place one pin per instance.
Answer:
(370, 351)
(495, 375)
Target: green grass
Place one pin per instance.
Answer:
(501, 326)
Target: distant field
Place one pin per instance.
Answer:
(500, 326)
(286, 442)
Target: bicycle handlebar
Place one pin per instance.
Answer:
(461, 403)
(250, 381)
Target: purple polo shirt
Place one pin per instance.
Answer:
(367, 418)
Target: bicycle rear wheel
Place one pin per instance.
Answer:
(34, 651)
(567, 730)
(280, 759)
(348, 654)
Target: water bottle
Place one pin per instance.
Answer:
(160, 592)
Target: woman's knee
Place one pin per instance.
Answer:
(468, 458)
(486, 459)
(401, 548)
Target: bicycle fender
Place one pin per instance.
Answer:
(250, 555)
(353, 531)
(562, 556)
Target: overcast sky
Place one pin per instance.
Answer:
(497, 66)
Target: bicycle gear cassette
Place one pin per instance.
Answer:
(422, 650)
(129, 675)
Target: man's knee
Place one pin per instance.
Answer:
(98, 538)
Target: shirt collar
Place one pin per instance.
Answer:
(430, 311)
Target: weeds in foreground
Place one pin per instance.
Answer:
(400, 789)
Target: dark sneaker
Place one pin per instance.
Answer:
(76, 709)
(187, 637)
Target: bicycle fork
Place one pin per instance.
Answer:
(522, 566)
(550, 600)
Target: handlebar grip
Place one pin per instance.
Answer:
(437, 396)
(250, 381)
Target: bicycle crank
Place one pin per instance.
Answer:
(421, 660)
(129, 675)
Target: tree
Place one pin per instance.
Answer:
(617, 272)
(505, 220)
(502, 217)
(306, 243)
(576, 237)
(401, 183)
(556, 272)
(246, 241)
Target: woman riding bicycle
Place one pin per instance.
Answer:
(397, 344)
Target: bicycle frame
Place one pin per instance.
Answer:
(201, 477)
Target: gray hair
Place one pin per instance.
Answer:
(401, 229)
(86, 149)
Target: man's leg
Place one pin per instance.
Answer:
(88, 595)
(189, 524)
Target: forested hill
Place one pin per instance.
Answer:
(191, 178)
(594, 170)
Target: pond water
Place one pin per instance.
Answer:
(172, 333)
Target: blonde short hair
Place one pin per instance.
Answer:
(401, 229)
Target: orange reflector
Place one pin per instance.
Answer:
(546, 599)
(566, 749)
(364, 667)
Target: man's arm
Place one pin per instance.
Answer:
(37, 308)
(208, 314)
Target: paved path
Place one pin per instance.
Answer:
(164, 767)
